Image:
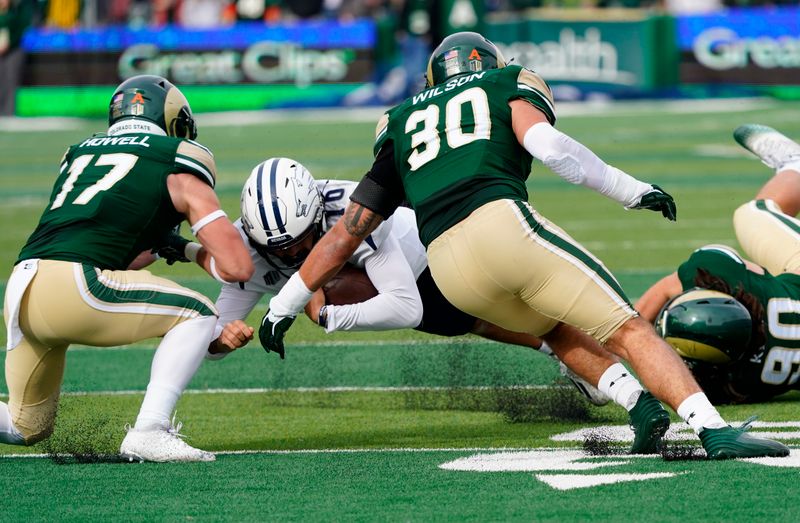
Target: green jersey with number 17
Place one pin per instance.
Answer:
(110, 201)
(454, 146)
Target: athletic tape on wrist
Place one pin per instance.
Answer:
(191, 250)
(205, 220)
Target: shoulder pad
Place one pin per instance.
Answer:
(531, 83)
(381, 131)
(193, 158)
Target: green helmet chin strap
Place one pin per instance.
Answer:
(461, 53)
(706, 325)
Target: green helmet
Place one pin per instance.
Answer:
(154, 99)
(461, 53)
(706, 325)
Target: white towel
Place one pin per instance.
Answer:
(23, 273)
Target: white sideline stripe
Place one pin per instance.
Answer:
(316, 344)
(372, 114)
(420, 450)
(319, 389)
(355, 451)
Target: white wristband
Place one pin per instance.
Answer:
(212, 269)
(191, 250)
(205, 220)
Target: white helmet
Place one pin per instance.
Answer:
(281, 205)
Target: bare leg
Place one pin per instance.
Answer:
(784, 190)
(658, 366)
(579, 351)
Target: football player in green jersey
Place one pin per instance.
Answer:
(117, 198)
(742, 341)
(459, 152)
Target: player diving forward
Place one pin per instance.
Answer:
(118, 195)
(737, 322)
(460, 152)
(285, 212)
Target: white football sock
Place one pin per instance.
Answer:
(618, 383)
(8, 432)
(699, 413)
(177, 358)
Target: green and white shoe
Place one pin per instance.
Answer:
(773, 148)
(649, 421)
(729, 442)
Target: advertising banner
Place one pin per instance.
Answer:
(624, 55)
(741, 46)
(300, 53)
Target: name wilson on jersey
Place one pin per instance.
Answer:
(449, 86)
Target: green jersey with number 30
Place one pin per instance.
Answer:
(110, 201)
(454, 146)
(765, 371)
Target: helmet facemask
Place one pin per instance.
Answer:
(282, 211)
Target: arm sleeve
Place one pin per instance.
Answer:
(398, 304)
(575, 163)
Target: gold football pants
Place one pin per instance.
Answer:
(68, 303)
(507, 264)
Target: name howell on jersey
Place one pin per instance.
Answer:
(449, 86)
(142, 141)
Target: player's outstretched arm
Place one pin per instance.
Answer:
(577, 164)
(224, 255)
(326, 258)
(234, 335)
(657, 296)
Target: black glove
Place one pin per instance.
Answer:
(173, 248)
(272, 331)
(658, 200)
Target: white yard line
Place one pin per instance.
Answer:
(258, 390)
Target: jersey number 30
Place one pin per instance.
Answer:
(454, 133)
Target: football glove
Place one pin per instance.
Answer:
(658, 200)
(173, 248)
(273, 329)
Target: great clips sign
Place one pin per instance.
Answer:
(300, 53)
(744, 46)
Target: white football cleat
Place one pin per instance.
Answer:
(590, 392)
(161, 446)
(773, 148)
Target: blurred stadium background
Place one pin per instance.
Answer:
(654, 87)
(263, 54)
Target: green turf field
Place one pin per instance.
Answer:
(401, 426)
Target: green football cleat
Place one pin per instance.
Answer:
(649, 421)
(773, 148)
(729, 442)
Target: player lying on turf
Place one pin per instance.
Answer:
(742, 341)
(285, 212)
(459, 152)
(119, 194)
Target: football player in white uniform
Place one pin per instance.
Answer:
(285, 211)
